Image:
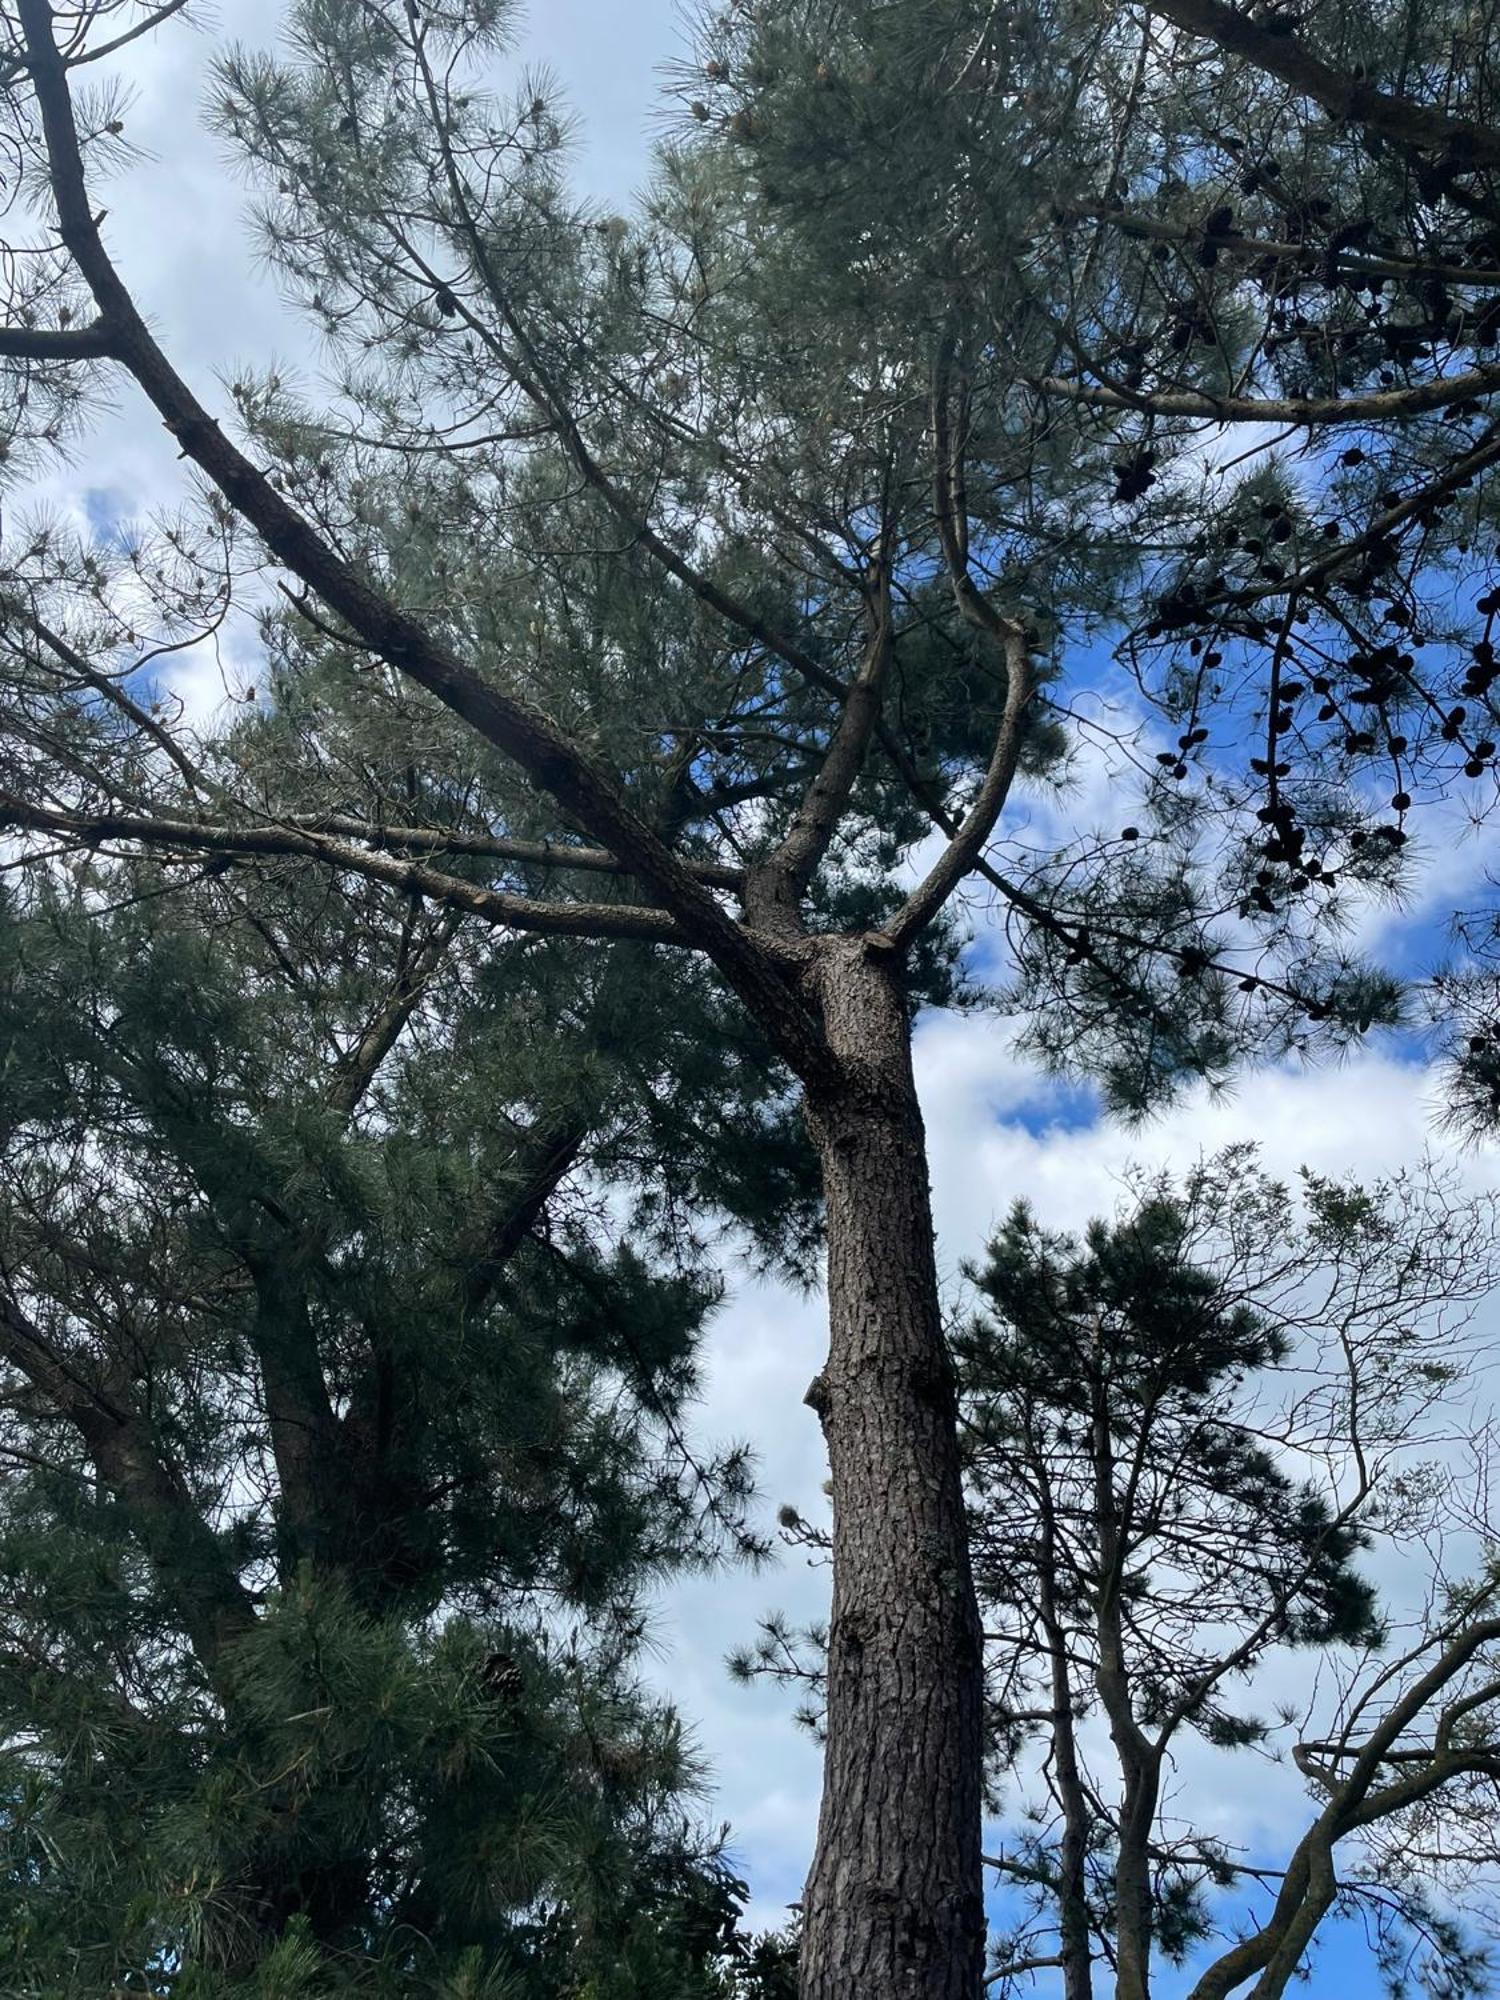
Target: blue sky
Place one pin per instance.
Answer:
(998, 1131)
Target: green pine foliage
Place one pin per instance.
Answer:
(633, 465)
(1188, 1430)
(865, 230)
(338, 1466)
(359, 1222)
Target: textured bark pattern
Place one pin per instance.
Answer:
(893, 1905)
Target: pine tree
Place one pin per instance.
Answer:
(344, 1434)
(1185, 1434)
(717, 558)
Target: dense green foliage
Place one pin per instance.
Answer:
(1012, 297)
(334, 1477)
(1187, 332)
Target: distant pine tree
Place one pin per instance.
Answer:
(1191, 1433)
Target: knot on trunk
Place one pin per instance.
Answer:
(933, 1385)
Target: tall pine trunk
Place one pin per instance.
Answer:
(894, 1902)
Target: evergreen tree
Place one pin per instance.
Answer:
(712, 560)
(343, 1436)
(1183, 1433)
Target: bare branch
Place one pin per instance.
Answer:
(414, 976)
(1377, 406)
(120, 41)
(495, 906)
(1006, 634)
(775, 888)
(60, 343)
(1019, 1965)
(1357, 264)
(110, 690)
(531, 853)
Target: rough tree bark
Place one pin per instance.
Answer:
(894, 1903)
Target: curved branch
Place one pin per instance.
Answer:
(965, 849)
(776, 886)
(110, 689)
(966, 845)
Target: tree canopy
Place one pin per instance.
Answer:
(701, 598)
(334, 1484)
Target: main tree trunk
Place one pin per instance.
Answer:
(894, 1903)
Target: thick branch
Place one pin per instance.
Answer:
(1402, 1793)
(413, 977)
(1140, 1759)
(777, 885)
(1403, 1713)
(1072, 1900)
(305, 1434)
(1373, 407)
(1345, 96)
(558, 854)
(1355, 263)
(215, 1608)
(1008, 636)
(1291, 1945)
(60, 343)
(548, 1153)
(1308, 1885)
(964, 851)
(1252, 1954)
